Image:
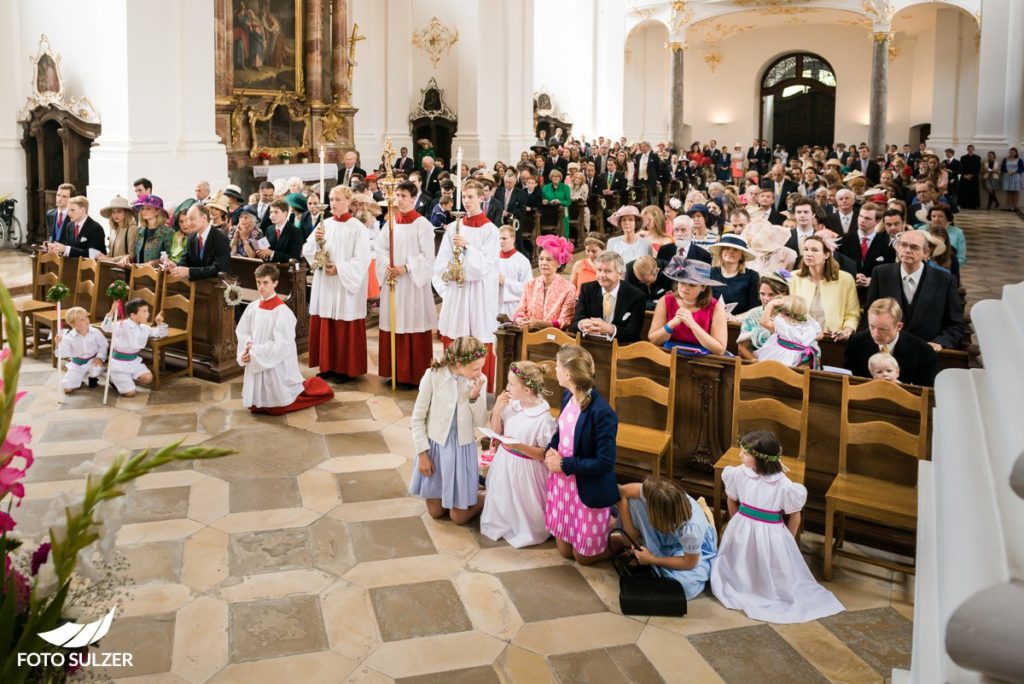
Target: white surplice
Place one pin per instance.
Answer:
(517, 271)
(415, 310)
(341, 297)
(272, 376)
(470, 308)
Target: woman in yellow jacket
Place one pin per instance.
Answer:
(831, 294)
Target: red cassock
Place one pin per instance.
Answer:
(314, 392)
(337, 346)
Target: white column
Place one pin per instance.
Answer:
(374, 60)
(516, 131)
(470, 51)
(13, 67)
(609, 69)
(999, 76)
(946, 91)
(158, 116)
(401, 94)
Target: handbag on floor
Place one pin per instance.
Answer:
(642, 591)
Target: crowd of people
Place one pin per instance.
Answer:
(791, 249)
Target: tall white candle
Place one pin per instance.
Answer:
(323, 186)
(458, 180)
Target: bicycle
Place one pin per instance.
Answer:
(11, 233)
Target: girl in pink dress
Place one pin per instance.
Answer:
(581, 458)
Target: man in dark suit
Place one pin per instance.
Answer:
(868, 166)
(262, 207)
(207, 252)
(284, 238)
(755, 154)
(81, 234)
(612, 181)
(953, 171)
(766, 206)
(610, 307)
(404, 162)
(424, 203)
(970, 181)
(844, 219)
(927, 295)
(780, 186)
(430, 181)
(918, 361)
(866, 246)
(554, 160)
(647, 172)
(57, 219)
(682, 236)
(491, 206)
(349, 170)
(512, 198)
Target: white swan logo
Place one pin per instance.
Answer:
(74, 635)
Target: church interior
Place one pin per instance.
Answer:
(300, 549)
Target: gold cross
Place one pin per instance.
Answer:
(389, 156)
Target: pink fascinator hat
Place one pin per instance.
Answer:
(559, 248)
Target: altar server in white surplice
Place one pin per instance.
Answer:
(470, 308)
(337, 304)
(515, 270)
(266, 348)
(415, 312)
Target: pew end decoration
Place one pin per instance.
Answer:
(232, 294)
(70, 576)
(119, 292)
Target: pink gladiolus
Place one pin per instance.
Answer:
(16, 444)
(6, 523)
(5, 353)
(9, 483)
(39, 557)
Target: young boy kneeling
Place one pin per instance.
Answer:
(266, 348)
(130, 336)
(85, 349)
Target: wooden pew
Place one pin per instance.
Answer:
(703, 419)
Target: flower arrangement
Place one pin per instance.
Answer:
(118, 290)
(285, 156)
(232, 294)
(265, 156)
(58, 292)
(38, 586)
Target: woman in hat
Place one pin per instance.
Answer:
(154, 236)
(235, 202)
(424, 148)
(752, 336)
(703, 235)
(628, 245)
(556, 192)
(768, 243)
(585, 270)
(123, 231)
(690, 317)
(180, 241)
(245, 236)
(729, 265)
(943, 255)
(220, 213)
(830, 292)
(549, 300)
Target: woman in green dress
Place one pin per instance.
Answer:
(556, 192)
(425, 149)
(180, 242)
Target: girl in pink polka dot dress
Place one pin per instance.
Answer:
(581, 458)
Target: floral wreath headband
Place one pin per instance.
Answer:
(760, 454)
(532, 385)
(785, 311)
(468, 357)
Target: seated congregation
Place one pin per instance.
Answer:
(799, 267)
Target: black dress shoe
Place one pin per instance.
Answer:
(93, 382)
(341, 378)
(325, 375)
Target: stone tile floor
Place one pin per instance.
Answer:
(301, 559)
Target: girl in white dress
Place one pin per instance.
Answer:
(759, 569)
(517, 482)
(795, 334)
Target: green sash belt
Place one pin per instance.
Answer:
(774, 517)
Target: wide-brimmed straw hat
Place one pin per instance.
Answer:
(149, 201)
(938, 246)
(765, 237)
(732, 241)
(423, 141)
(220, 201)
(234, 191)
(693, 271)
(368, 203)
(853, 175)
(117, 203)
(627, 210)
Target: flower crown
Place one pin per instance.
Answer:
(759, 454)
(468, 357)
(788, 313)
(532, 385)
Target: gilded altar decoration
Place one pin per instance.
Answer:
(354, 38)
(713, 59)
(436, 40)
(681, 17)
(237, 121)
(283, 126)
(881, 10)
(48, 87)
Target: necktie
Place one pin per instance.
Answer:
(908, 288)
(846, 221)
(78, 226)
(508, 195)
(610, 176)
(884, 348)
(200, 238)
(261, 208)
(863, 248)
(60, 222)
(607, 306)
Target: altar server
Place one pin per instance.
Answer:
(337, 304)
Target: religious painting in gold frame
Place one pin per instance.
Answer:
(267, 46)
(282, 126)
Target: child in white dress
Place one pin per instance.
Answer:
(130, 336)
(517, 482)
(759, 568)
(794, 339)
(85, 349)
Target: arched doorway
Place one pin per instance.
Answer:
(434, 121)
(798, 101)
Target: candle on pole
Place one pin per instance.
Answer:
(60, 388)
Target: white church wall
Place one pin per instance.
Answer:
(564, 50)
(14, 84)
(646, 105)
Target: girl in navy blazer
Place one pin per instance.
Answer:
(581, 458)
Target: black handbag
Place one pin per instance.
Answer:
(642, 591)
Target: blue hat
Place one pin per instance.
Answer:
(693, 271)
(702, 208)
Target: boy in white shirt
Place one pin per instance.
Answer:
(130, 336)
(85, 349)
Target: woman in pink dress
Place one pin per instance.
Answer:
(549, 300)
(581, 458)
